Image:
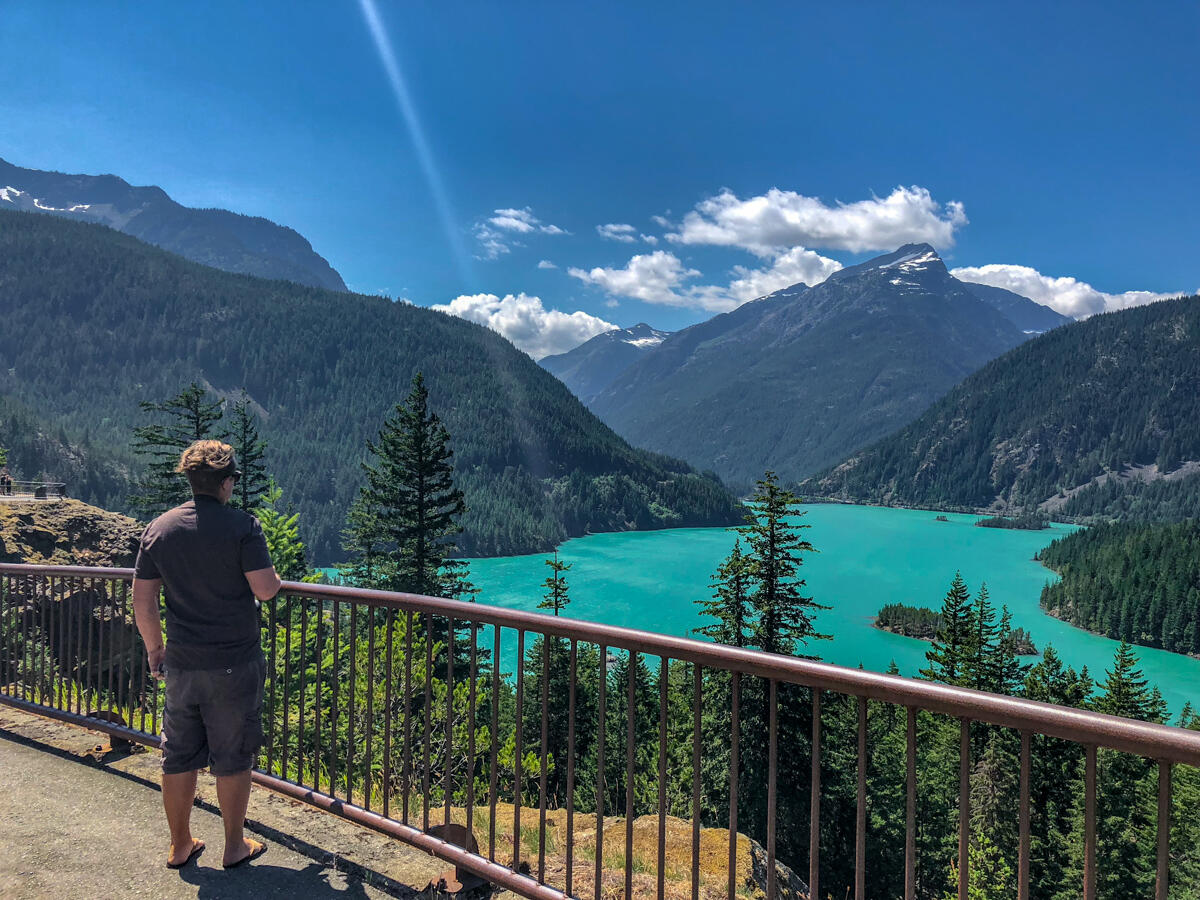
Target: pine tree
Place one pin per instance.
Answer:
(1007, 669)
(946, 656)
(249, 449)
(556, 597)
(363, 540)
(410, 501)
(784, 615)
(282, 532)
(191, 416)
(980, 647)
(730, 605)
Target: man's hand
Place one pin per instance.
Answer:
(155, 658)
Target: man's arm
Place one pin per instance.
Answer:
(145, 614)
(264, 582)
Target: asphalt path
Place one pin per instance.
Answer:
(70, 830)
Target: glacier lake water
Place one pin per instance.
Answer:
(867, 557)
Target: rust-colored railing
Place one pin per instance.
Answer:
(387, 709)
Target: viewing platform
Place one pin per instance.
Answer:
(657, 773)
(32, 491)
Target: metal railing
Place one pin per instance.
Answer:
(388, 709)
(33, 490)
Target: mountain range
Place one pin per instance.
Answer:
(798, 379)
(249, 245)
(100, 321)
(592, 366)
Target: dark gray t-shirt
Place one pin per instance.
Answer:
(200, 550)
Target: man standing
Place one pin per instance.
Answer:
(213, 562)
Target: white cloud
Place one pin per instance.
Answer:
(524, 321)
(1066, 295)
(777, 221)
(546, 264)
(660, 277)
(617, 232)
(651, 277)
(649, 238)
(496, 233)
(796, 265)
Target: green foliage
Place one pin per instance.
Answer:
(556, 596)
(1083, 401)
(282, 532)
(1136, 583)
(911, 621)
(249, 450)
(1027, 522)
(784, 615)
(109, 322)
(730, 605)
(410, 505)
(946, 656)
(191, 415)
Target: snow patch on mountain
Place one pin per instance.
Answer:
(9, 193)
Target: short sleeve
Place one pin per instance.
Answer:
(255, 555)
(145, 566)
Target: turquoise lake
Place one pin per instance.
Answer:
(867, 556)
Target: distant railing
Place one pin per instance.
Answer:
(388, 709)
(33, 490)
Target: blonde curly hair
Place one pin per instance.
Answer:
(207, 464)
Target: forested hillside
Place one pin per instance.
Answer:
(97, 321)
(39, 452)
(1096, 398)
(1136, 583)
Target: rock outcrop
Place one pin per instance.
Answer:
(67, 532)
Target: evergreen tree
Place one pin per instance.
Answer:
(363, 541)
(784, 614)
(730, 605)
(282, 531)
(249, 450)
(979, 649)
(556, 597)
(191, 415)
(1008, 672)
(947, 655)
(411, 504)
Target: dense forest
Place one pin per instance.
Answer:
(1117, 390)
(1136, 583)
(1030, 522)
(39, 452)
(106, 322)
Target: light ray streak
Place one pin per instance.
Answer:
(391, 66)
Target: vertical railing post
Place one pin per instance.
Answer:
(814, 801)
(1023, 846)
(860, 824)
(964, 806)
(910, 805)
(1162, 879)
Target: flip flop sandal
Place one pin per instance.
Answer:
(196, 851)
(262, 848)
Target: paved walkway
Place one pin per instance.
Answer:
(72, 828)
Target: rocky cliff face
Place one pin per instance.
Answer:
(66, 532)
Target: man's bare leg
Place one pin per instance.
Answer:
(179, 792)
(233, 795)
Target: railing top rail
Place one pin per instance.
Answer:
(1081, 726)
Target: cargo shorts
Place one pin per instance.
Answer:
(213, 719)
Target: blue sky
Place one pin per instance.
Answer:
(747, 143)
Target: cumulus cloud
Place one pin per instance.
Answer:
(651, 277)
(617, 232)
(526, 322)
(660, 277)
(649, 238)
(1066, 295)
(546, 264)
(777, 221)
(796, 265)
(496, 234)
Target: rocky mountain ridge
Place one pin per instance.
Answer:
(249, 245)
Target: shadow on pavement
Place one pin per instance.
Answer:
(264, 880)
